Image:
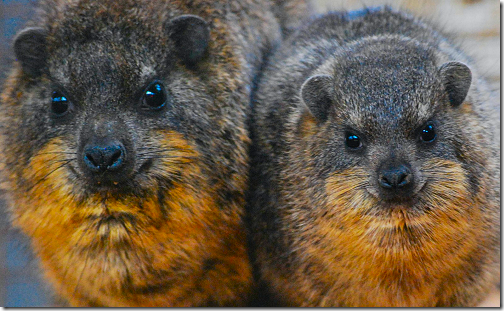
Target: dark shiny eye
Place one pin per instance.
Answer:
(352, 141)
(428, 133)
(154, 97)
(59, 103)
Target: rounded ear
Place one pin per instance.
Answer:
(191, 35)
(30, 50)
(317, 94)
(456, 78)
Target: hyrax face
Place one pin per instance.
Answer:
(389, 138)
(112, 127)
(113, 111)
(386, 189)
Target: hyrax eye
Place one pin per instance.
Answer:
(154, 97)
(428, 133)
(59, 103)
(352, 141)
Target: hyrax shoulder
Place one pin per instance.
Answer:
(374, 167)
(123, 131)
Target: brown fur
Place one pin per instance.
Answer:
(349, 228)
(326, 233)
(172, 233)
(191, 222)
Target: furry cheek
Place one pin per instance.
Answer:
(355, 221)
(170, 151)
(46, 195)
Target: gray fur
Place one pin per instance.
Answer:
(391, 73)
(103, 56)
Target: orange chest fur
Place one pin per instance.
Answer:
(134, 251)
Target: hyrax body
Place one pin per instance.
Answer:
(374, 167)
(123, 133)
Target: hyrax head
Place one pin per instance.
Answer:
(111, 99)
(388, 127)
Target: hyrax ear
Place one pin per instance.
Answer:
(456, 78)
(30, 50)
(317, 93)
(190, 35)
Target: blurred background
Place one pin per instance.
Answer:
(475, 22)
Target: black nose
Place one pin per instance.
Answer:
(105, 157)
(395, 177)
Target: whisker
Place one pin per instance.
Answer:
(54, 160)
(147, 148)
(47, 175)
(61, 160)
(167, 157)
(162, 149)
(56, 152)
(151, 153)
(161, 152)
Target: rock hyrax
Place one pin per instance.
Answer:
(375, 167)
(123, 133)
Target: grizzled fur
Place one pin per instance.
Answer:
(326, 232)
(167, 229)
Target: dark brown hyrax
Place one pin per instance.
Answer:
(123, 133)
(375, 168)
